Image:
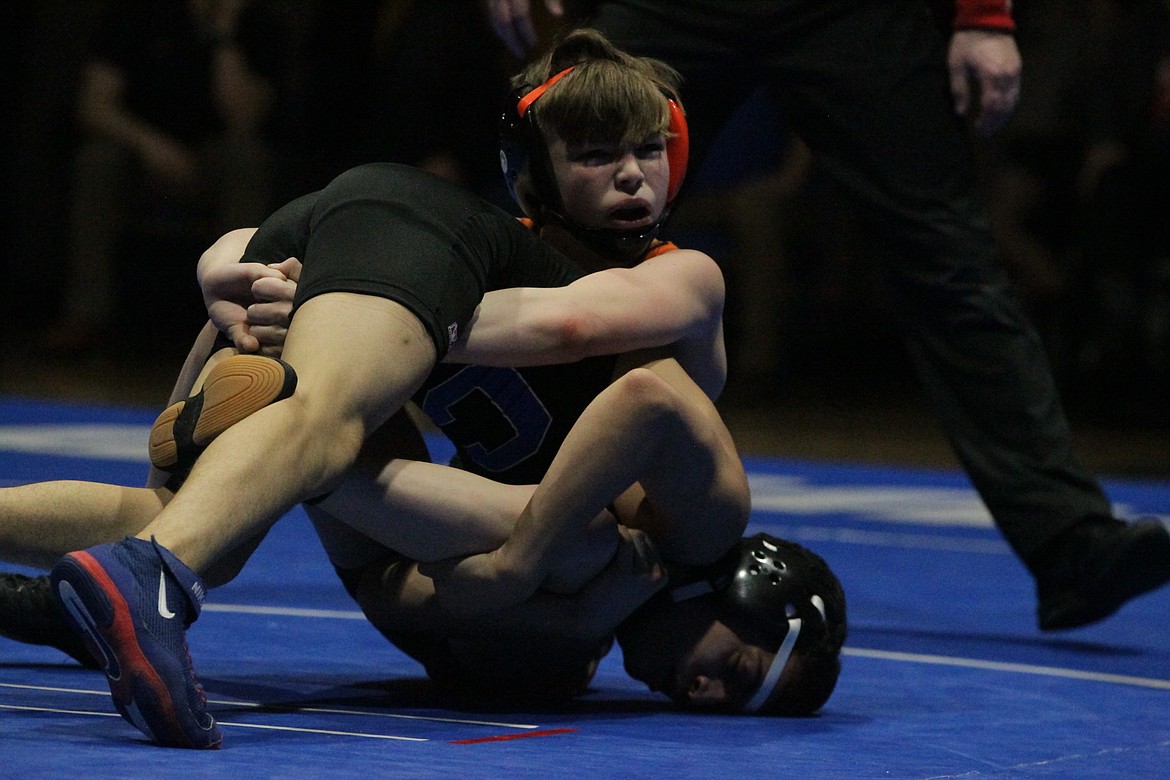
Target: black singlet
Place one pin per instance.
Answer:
(508, 423)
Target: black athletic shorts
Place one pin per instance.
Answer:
(406, 235)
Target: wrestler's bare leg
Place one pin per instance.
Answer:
(358, 359)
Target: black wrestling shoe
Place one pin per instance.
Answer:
(30, 614)
(1097, 568)
(237, 387)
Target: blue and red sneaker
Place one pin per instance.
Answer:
(132, 601)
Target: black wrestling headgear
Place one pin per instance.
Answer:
(765, 579)
(522, 145)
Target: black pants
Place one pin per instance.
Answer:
(864, 83)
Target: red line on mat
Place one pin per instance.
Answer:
(506, 737)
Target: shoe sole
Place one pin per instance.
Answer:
(92, 602)
(236, 388)
(1140, 566)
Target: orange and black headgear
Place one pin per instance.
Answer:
(523, 147)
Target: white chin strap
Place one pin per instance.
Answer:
(778, 663)
(772, 678)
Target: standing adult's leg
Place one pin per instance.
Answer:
(103, 174)
(886, 128)
(891, 136)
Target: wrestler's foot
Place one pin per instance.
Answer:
(235, 388)
(30, 614)
(1098, 567)
(132, 602)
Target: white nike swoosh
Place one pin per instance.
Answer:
(162, 596)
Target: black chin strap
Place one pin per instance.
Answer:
(626, 245)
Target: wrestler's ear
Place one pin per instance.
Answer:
(704, 691)
(528, 196)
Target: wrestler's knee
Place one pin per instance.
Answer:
(327, 436)
(646, 394)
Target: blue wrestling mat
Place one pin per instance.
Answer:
(945, 673)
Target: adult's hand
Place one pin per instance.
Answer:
(168, 159)
(985, 77)
(512, 21)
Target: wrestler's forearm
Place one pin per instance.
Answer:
(403, 598)
(227, 249)
(663, 301)
(428, 511)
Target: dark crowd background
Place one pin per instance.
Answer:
(1077, 187)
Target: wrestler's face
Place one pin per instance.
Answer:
(612, 185)
(685, 651)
